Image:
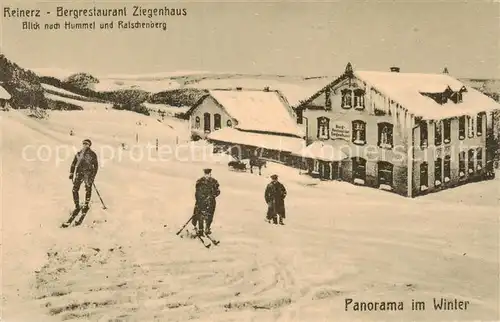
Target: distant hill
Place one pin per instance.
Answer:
(490, 87)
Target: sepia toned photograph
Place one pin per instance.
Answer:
(250, 161)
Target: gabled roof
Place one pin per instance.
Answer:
(322, 90)
(256, 110)
(407, 89)
(4, 94)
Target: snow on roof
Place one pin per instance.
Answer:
(267, 141)
(4, 94)
(320, 151)
(406, 89)
(257, 110)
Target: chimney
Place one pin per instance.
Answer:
(239, 88)
(266, 89)
(395, 69)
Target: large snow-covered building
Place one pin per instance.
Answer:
(4, 98)
(406, 132)
(249, 120)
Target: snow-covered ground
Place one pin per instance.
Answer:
(152, 86)
(84, 104)
(61, 91)
(126, 263)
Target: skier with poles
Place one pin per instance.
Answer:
(207, 190)
(275, 195)
(83, 169)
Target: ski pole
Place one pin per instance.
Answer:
(185, 224)
(97, 191)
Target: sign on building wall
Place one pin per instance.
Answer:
(340, 130)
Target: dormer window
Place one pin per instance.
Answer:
(346, 98)
(447, 94)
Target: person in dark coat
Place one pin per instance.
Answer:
(275, 198)
(207, 190)
(83, 169)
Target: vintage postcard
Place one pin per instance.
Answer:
(250, 161)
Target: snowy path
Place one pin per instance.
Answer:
(340, 241)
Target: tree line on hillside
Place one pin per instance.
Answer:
(125, 99)
(22, 84)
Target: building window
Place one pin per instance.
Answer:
(423, 135)
(447, 168)
(206, 122)
(346, 98)
(217, 121)
(385, 173)
(229, 123)
(359, 132)
(316, 166)
(461, 164)
(447, 131)
(323, 128)
(470, 126)
(471, 161)
(359, 99)
(300, 116)
(359, 170)
(438, 134)
(461, 127)
(479, 124)
(479, 158)
(385, 135)
(438, 172)
(328, 99)
(378, 112)
(197, 122)
(424, 176)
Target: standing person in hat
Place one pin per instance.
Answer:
(207, 189)
(275, 198)
(83, 169)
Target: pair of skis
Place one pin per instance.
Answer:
(205, 243)
(74, 214)
(210, 242)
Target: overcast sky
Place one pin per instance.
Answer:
(272, 38)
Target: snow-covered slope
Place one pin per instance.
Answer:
(83, 104)
(57, 90)
(126, 263)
